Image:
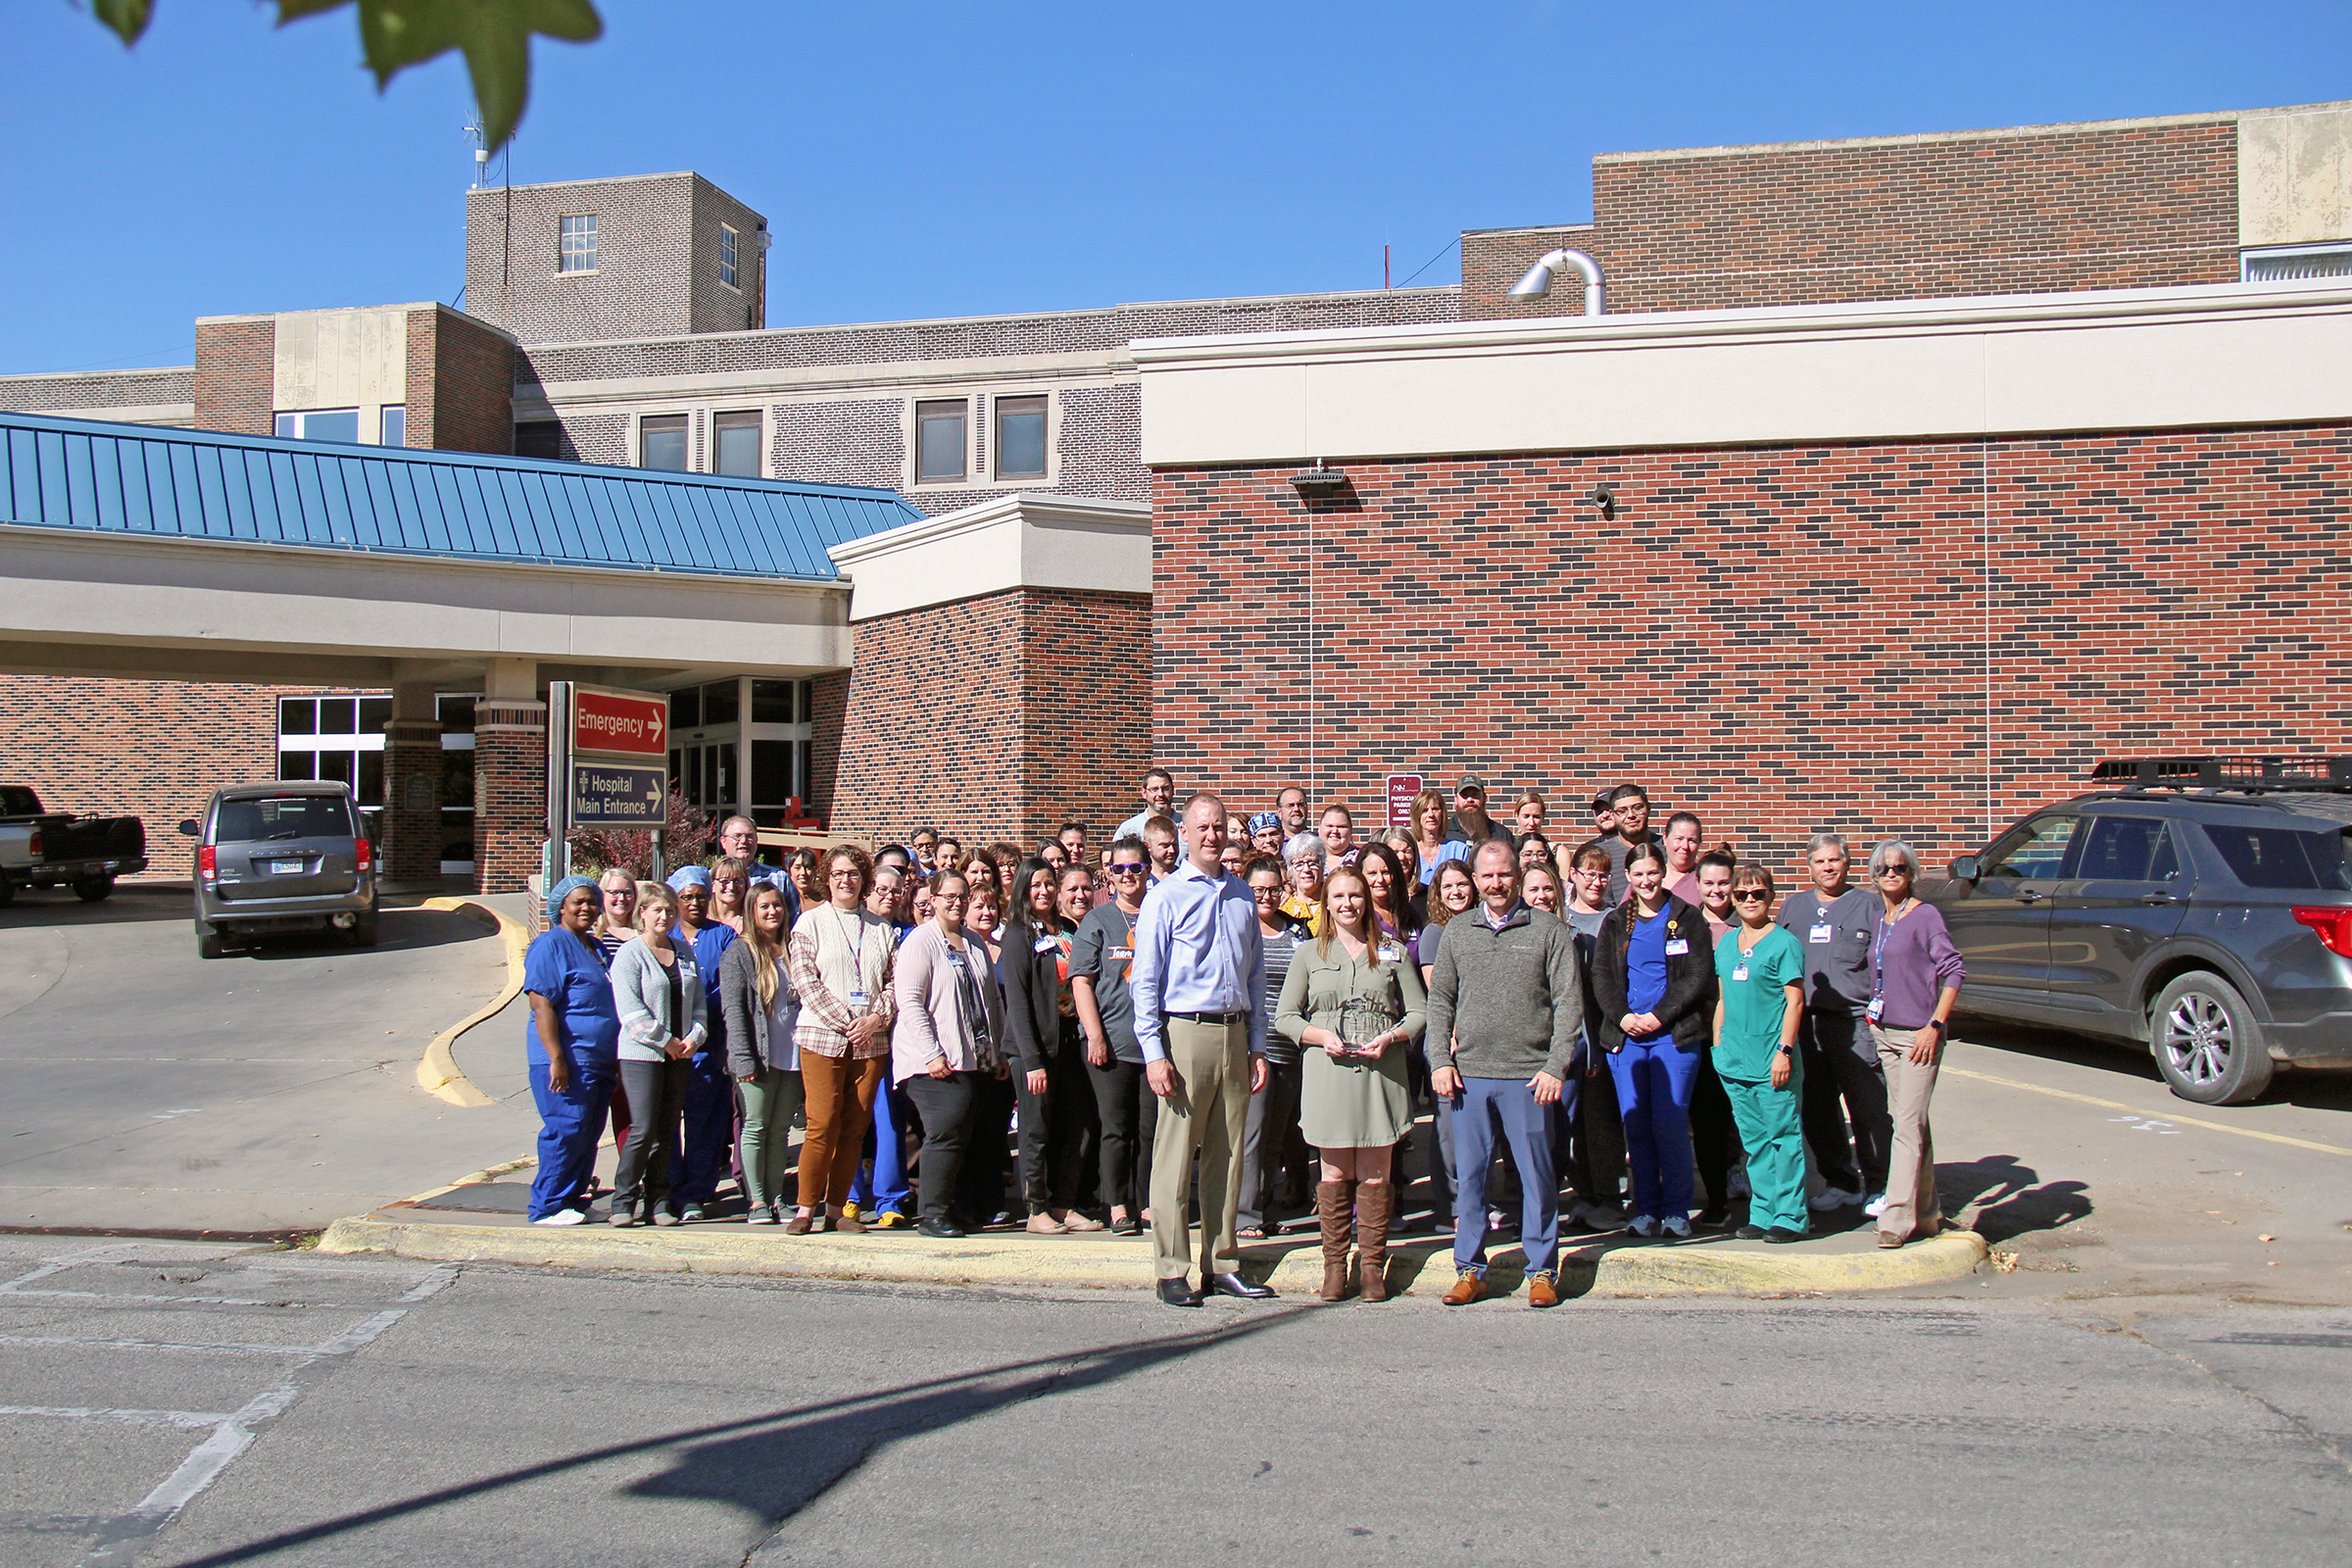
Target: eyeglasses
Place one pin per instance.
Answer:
(1895, 870)
(948, 897)
(1128, 869)
(1748, 895)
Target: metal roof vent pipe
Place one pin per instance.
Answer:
(1537, 281)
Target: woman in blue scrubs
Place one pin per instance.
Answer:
(572, 1039)
(1654, 977)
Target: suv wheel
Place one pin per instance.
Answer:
(2206, 1041)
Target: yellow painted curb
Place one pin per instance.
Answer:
(1606, 1269)
(437, 1071)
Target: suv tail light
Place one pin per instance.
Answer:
(2334, 927)
(362, 854)
(208, 864)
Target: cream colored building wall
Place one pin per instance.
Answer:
(343, 359)
(2294, 175)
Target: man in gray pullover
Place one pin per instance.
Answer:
(1506, 1004)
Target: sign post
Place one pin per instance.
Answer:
(1403, 787)
(608, 762)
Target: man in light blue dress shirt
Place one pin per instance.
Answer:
(1197, 989)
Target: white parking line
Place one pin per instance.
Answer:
(2117, 1105)
(68, 1341)
(197, 1420)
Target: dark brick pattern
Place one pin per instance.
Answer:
(464, 372)
(509, 794)
(1060, 732)
(413, 769)
(1783, 639)
(2046, 208)
(828, 701)
(97, 389)
(235, 384)
(854, 441)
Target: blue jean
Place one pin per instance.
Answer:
(1654, 1095)
(881, 1183)
(569, 1126)
(710, 1136)
(1509, 1105)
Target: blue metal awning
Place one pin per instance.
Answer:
(200, 484)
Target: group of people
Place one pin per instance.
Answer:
(1622, 1034)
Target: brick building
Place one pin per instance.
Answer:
(621, 321)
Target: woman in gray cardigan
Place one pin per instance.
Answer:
(658, 991)
(760, 1008)
(949, 1049)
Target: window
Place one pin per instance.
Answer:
(736, 437)
(939, 442)
(539, 438)
(335, 737)
(721, 702)
(395, 427)
(772, 703)
(2034, 852)
(576, 241)
(2127, 849)
(661, 442)
(320, 424)
(2276, 857)
(727, 256)
(1021, 438)
(2292, 262)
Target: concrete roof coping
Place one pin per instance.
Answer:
(599, 180)
(359, 310)
(1025, 540)
(54, 376)
(1997, 134)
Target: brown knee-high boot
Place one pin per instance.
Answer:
(1334, 1206)
(1375, 1205)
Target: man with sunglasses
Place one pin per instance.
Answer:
(1102, 961)
(1835, 922)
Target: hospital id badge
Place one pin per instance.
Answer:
(858, 1000)
(1391, 952)
(1740, 971)
(1877, 1009)
(1820, 935)
(1678, 949)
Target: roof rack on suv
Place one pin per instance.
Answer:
(2250, 773)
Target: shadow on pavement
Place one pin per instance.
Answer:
(131, 902)
(774, 1465)
(2015, 1198)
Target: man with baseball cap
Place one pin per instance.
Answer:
(1471, 824)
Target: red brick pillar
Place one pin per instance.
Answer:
(413, 767)
(510, 793)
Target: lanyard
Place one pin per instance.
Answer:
(1877, 949)
(857, 951)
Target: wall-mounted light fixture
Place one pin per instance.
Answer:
(1318, 483)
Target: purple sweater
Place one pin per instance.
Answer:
(1916, 962)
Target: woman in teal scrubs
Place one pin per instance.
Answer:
(1759, 1003)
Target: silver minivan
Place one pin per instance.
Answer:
(290, 856)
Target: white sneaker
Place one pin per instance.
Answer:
(562, 1216)
(1678, 1225)
(1830, 1198)
(1875, 1204)
(1643, 1225)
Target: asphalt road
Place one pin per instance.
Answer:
(171, 1404)
(148, 1091)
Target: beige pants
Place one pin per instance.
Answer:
(1207, 1116)
(1912, 1206)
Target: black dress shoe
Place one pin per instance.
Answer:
(1749, 1232)
(1783, 1235)
(1176, 1292)
(1235, 1285)
(938, 1230)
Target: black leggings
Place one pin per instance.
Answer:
(1130, 1113)
(950, 1110)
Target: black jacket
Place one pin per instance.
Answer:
(1032, 996)
(1688, 1008)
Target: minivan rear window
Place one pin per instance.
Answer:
(282, 816)
(2280, 857)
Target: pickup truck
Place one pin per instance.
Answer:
(44, 849)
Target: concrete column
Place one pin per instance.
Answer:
(412, 770)
(509, 777)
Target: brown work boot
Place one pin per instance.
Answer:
(1543, 1290)
(1470, 1287)
(1334, 1202)
(1375, 1204)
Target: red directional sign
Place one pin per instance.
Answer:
(619, 723)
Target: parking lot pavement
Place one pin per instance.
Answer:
(203, 1405)
(150, 1091)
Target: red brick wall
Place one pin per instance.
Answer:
(509, 794)
(236, 376)
(828, 701)
(2007, 213)
(473, 396)
(1781, 639)
(1059, 733)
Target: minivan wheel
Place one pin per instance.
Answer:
(2206, 1041)
(90, 889)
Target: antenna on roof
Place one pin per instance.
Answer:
(482, 152)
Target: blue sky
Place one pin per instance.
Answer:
(926, 160)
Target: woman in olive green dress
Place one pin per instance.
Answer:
(1354, 1001)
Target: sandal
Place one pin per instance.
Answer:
(1252, 1233)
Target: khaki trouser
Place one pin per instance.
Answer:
(1912, 1206)
(1207, 1115)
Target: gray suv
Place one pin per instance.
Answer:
(2199, 905)
(290, 856)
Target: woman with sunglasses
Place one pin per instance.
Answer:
(1653, 976)
(948, 1046)
(1760, 976)
(1353, 1001)
(1102, 960)
(1916, 975)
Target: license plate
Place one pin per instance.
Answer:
(286, 867)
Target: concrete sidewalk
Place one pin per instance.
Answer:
(1607, 1265)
